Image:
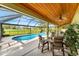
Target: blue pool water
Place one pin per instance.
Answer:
(27, 37)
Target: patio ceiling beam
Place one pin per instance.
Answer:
(10, 15)
(5, 10)
(29, 22)
(35, 24)
(19, 20)
(20, 25)
(7, 18)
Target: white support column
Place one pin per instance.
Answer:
(47, 30)
(0, 32)
(57, 31)
(30, 30)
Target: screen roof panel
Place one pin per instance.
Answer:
(19, 18)
(6, 12)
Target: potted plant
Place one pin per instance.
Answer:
(71, 39)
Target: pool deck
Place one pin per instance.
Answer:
(26, 49)
(18, 49)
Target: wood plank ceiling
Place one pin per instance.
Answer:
(56, 13)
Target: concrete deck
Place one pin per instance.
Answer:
(26, 49)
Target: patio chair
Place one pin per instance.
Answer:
(58, 44)
(43, 43)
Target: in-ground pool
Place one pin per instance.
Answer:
(27, 37)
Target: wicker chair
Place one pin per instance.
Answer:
(58, 44)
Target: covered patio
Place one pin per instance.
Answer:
(44, 17)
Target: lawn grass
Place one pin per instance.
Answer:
(19, 31)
